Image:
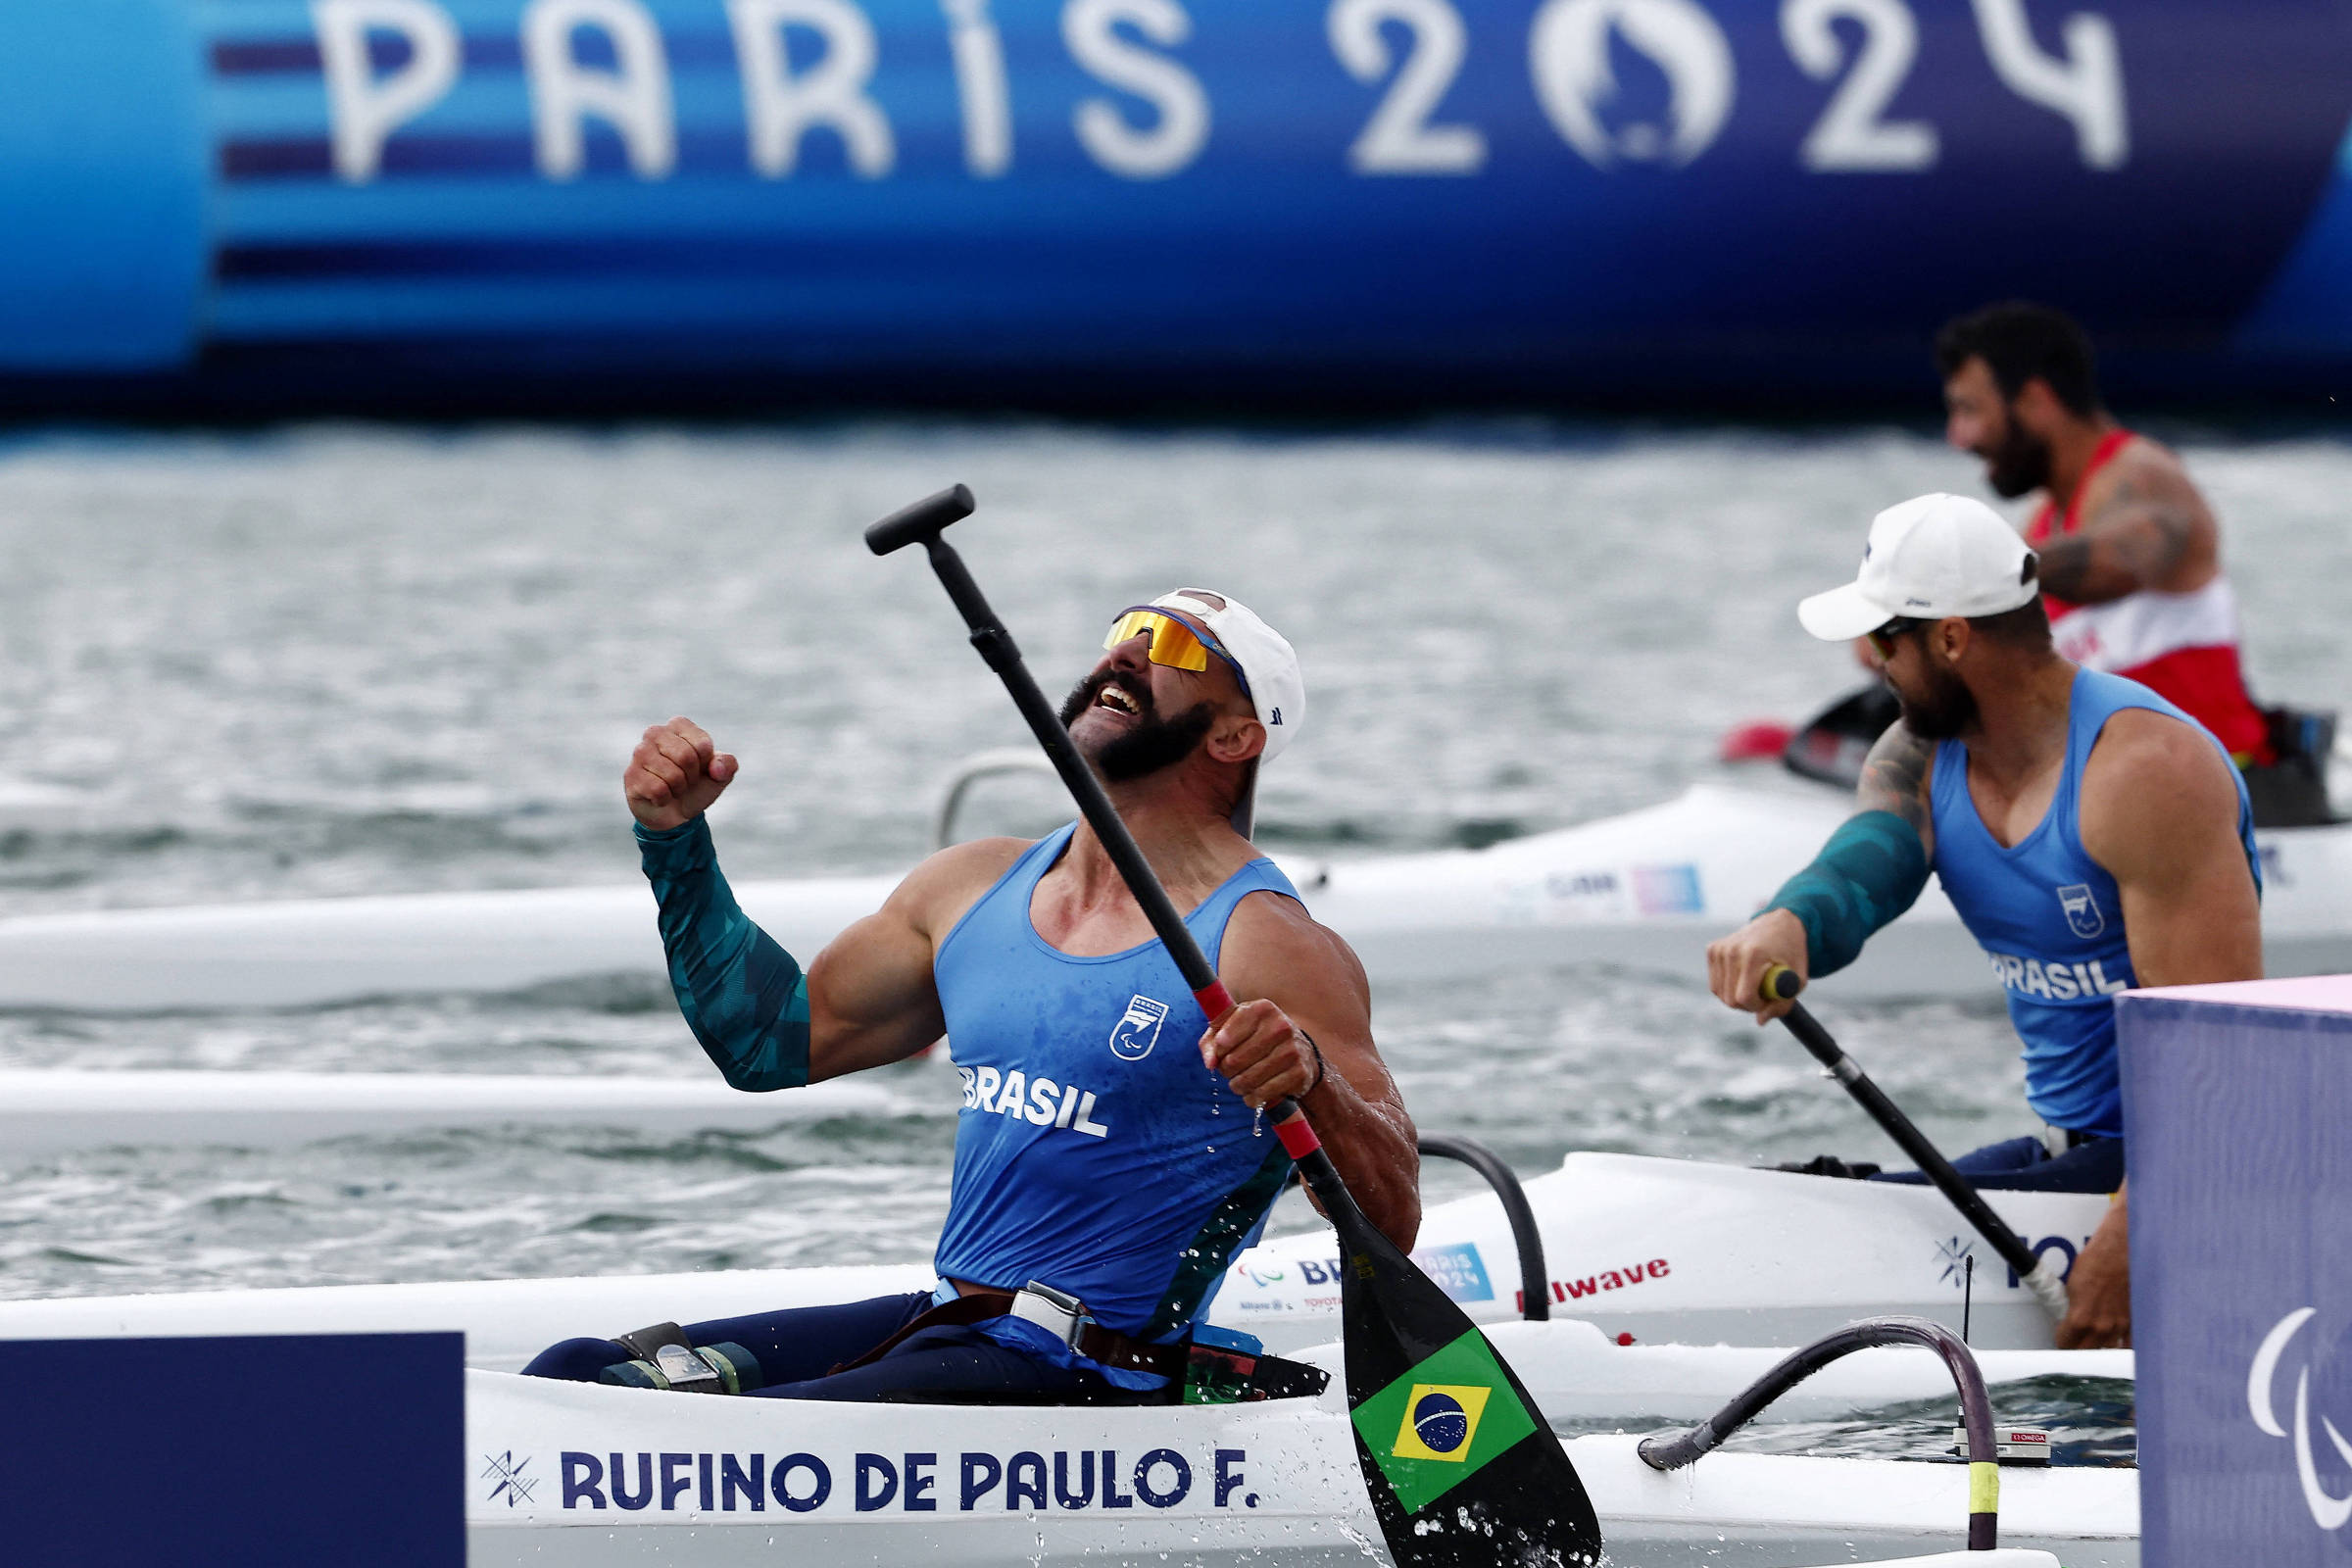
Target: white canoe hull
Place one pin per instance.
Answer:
(1270, 1484)
(1646, 891)
(49, 1111)
(1668, 1252)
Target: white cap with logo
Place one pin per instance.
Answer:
(1931, 557)
(1269, 669)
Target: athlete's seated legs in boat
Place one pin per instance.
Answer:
(2026, 1165)
(798, 1348)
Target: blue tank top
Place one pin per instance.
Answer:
(2049, 918)
(1095, 1153)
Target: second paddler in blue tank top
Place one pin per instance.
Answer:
(2049, 917)
(1109, 1158)
(2091, 836)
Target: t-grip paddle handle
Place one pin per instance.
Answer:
(2034, 1269)
(920, 522)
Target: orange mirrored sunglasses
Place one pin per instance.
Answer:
(1174, 643)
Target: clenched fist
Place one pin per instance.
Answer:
(674, 774)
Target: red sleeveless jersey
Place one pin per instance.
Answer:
(2184, 647)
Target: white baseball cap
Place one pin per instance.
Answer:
(1269, 669)
(1931, 557)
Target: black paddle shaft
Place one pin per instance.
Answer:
(921, 523)
(1523, 1505)
(1780, 984)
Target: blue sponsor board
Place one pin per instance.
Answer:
(1695, 195)
(2241, 1274)
(263, 1451)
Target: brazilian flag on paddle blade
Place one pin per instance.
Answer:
(1463, 1470)
(1440, 1423)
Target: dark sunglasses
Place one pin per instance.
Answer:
(1882, 641)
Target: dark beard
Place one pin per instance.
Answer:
(1154, 744)
(2020, 465)
(1942, 712)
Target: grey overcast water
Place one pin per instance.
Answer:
(343, 660)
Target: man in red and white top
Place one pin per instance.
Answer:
(2130, 556)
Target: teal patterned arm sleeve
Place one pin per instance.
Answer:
(743, 996)
(1871, 871)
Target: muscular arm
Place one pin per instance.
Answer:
(868, 997)
(1895, 778)
(2142, 526)
(871, 995)
(2160, 814)
(868, 1000)
(1288, 974)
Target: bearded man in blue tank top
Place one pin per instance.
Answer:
(1109, 1158)
(2092, 837)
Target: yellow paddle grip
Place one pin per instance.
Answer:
(1983, 1486)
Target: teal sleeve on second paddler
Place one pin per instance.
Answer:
(743, 996)
(1871, 871)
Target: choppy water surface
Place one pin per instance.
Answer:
(341, 659)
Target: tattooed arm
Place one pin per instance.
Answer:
(1870, 871)
(1895, 778)
(2143, 526)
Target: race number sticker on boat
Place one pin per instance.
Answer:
(1138, 1029)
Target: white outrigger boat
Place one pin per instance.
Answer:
(563, 1472)
(1646, 891)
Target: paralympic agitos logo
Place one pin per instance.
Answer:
(2327, 1511)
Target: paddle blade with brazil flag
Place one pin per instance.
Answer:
(1463, 1468)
